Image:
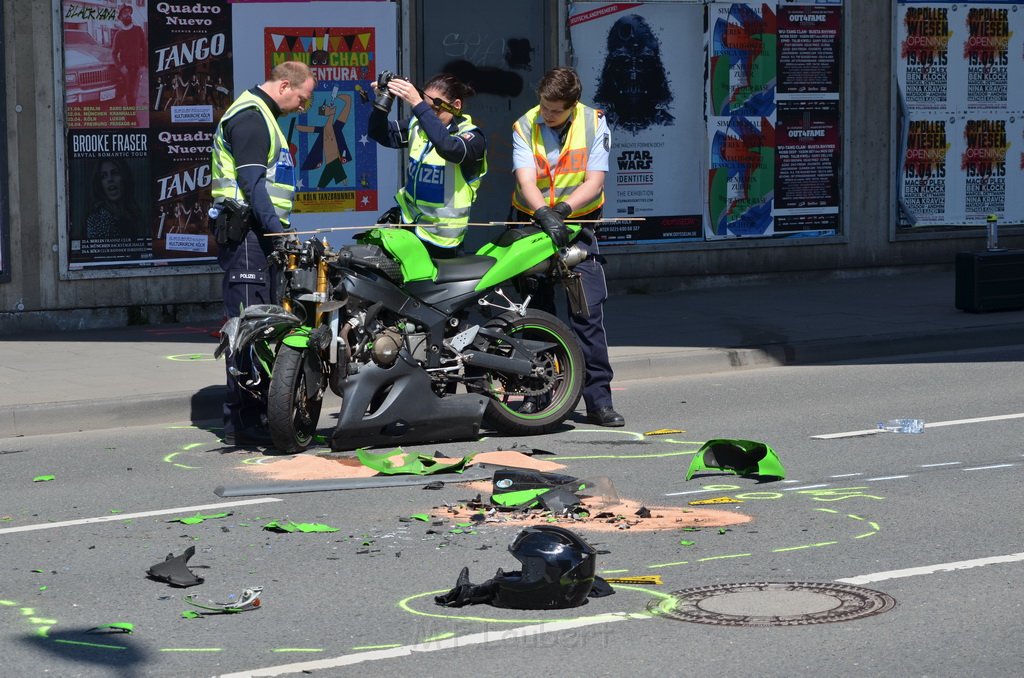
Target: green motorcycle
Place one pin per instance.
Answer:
(420, 350)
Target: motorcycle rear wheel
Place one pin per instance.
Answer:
(292, 415)
(563, 368)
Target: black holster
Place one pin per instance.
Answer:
(232, 223)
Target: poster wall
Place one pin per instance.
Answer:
(144, 82)
(344, 178)
(773, 96)
(959, 74)
(647, 77)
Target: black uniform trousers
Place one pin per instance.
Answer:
(589, 331)
(249, 278)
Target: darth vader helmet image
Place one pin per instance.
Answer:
(633, 87)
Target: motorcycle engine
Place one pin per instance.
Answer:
(386, 346)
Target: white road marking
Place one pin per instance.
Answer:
(985, 468)
(846, 475)
(944, 463)
(933, 424)
(804, 487)
(932, 569)
(849, 434)
(868, 480)
(554, 627)
(141, 514)
(435, 645)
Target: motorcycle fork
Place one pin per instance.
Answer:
(291, 263)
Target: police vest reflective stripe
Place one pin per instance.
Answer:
(436, 196)
(224, 180)
(557, 183)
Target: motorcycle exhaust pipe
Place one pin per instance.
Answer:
(489, 361)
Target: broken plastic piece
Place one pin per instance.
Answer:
(275, 526)
(198, 518)
(715, 500)
(663, 432)
(741, 457)
(42, 479)
(248, 600)
(559, 500)
(397, 461)
(174, 570)
(654, 579)
(191, 614)
(116, 627)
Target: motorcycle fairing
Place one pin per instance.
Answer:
(405, 409)
(518, 252)
(406, 247)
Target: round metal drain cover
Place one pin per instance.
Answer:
(772, 604)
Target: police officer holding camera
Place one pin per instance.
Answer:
(447, 157)
(253, 188)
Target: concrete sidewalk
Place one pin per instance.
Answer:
(93, 379)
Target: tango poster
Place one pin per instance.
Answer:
(144, 83)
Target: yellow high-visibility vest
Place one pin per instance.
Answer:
(556, 183)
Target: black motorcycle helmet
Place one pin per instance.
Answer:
(558, 570)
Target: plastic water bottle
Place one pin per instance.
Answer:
(902, 426)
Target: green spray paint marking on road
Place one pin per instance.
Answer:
(440, 636)
(297, 649)
(805, 546)
(404, 604)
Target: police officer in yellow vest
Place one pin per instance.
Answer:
(447, 160)
(253, 187)
(560, 157)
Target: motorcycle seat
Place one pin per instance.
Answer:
(469, 267)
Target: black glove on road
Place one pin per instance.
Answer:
(551, 222)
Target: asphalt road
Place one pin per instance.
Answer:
(904, 515)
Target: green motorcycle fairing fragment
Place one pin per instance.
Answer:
(407, 249)
(290, 526)
(519, 498)
(398, 462)
(43, 479)
(740, 457)
(198, 518)
(115, 627)
(297, 338)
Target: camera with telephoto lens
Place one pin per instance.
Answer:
(385, 99)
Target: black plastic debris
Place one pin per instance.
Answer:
(174, 570)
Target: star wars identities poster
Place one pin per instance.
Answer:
(960, 73)
(141, 96)
(646, 77)
(344, 179)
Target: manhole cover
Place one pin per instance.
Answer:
(772, 604)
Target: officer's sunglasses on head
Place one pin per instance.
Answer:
(440, 104)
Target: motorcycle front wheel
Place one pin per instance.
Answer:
(554, 389)
(292, 414)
